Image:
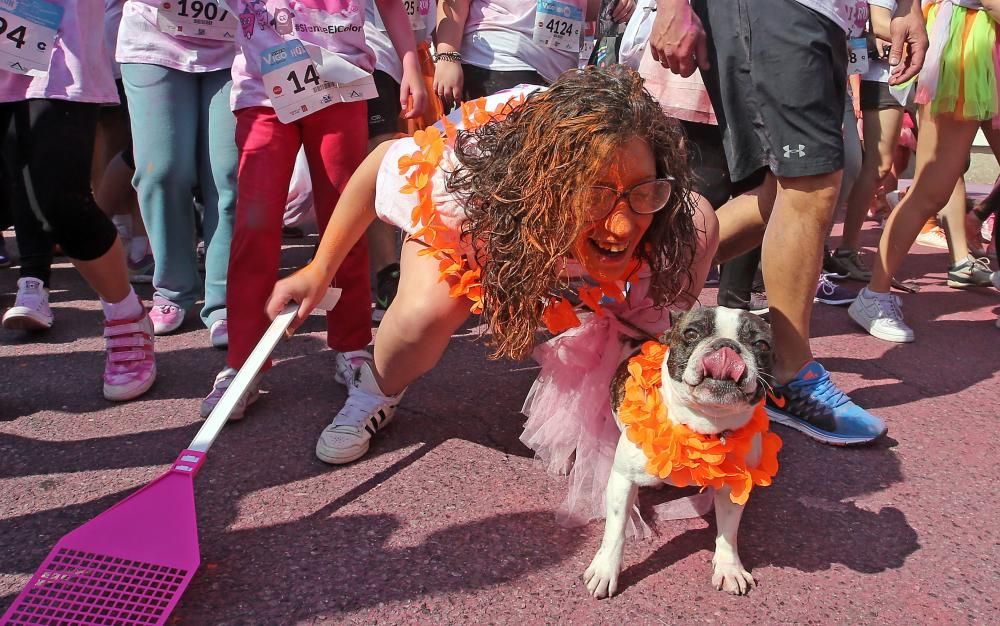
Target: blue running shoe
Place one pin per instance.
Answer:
(812, 404)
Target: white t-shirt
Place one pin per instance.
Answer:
(397, 208)
(498, 36)
(878, 70)
(377, 37)
(836, 10)
(140, 40)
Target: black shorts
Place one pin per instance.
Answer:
(707, 158)
(383, 111)
(116, 111)
(780, 98)
(480, 82)
(875, 96)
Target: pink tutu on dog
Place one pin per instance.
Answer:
(570, 426)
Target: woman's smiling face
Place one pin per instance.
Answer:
(606, 246)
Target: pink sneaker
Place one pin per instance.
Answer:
(219, 334)
(131, 366)
(167, 316)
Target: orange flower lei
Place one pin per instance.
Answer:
(679, 454)
(443, 243)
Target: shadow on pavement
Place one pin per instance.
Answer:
(809, 520)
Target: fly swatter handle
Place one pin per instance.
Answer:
(251, 367)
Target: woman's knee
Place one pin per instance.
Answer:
(428, 317)
(154, 175)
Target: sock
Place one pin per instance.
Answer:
(138, 247)
(123, 223)
(128, 309)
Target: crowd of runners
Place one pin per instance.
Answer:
(543, 164)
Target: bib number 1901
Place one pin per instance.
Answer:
(196, 18)
(198, 9)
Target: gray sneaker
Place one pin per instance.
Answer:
(971, 272)
(848, 264)
(222, 382)
(758, 304)
(881, 314)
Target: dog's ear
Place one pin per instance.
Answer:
(675, 318)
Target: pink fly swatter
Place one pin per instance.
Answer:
(130, 564)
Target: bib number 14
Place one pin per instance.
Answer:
(295, 87)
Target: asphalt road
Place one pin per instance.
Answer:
(449, 520)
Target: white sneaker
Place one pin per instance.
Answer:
(995, 279)
(346, 363)
(31, 307)
(366, 411)
(933, 238)
(881, 315)
(222, 382)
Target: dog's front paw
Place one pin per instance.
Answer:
(601, 577)
(733, 578)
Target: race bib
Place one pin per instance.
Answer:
(558, 25)
(27, 35)
(204, 19)
(295, 87)
(417, 11)
(857, 55)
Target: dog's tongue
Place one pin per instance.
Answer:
(723, 364)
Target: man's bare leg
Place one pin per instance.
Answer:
(791, 259)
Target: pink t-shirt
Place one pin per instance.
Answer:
(112, 20)
(79, 69)
(334, 25)
(683, 98)
(141, 41)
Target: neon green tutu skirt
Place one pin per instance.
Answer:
(960, 72)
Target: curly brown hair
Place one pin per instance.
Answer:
(520, 180)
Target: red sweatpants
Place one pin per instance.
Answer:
(335, 141)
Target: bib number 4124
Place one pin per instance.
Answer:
(558, 25)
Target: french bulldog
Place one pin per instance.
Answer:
(714, 374)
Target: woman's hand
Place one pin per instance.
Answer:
(306, 286)
(448, 79)
(412, 91)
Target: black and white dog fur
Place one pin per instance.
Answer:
(711, 380)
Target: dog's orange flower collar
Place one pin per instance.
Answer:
(443, 244)
(682, 456)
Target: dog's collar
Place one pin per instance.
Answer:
(676, 453)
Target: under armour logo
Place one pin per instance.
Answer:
(800, 152)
